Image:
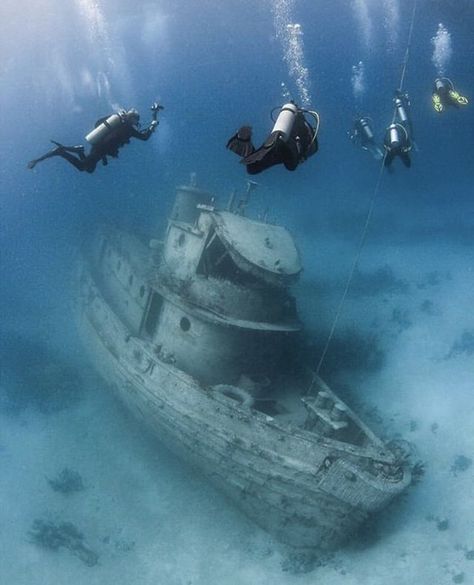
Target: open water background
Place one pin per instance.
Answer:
(404, 348)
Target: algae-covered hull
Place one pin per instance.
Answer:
(285, 449)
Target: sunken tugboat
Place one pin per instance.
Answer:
(196, 334)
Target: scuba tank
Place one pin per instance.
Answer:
(393, 139)
(400, 108)
(366, 129)
(443, 84)
(110, 124)
(285, 121)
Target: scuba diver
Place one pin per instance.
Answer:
(398, 140)
(397, 143)
(445, 95)
(363, 134)
(292, 140)
(109, 134)
(402, 104)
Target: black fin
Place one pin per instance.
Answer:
(241, 142)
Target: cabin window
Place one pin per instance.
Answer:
(130, 280)
(153, 314)
(181, 240)
(142, 291)
(185, 324)
(119, 265)
(217, 262)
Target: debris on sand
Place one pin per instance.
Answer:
(51, 536)
(461, 463)
(67, 481)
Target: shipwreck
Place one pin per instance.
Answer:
(198, 334)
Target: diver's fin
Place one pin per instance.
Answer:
(376, 152)
(437, 104)
(241, 142)
(459, 99)
(77, 149)
(56, 151)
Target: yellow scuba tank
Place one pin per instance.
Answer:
(110, 124)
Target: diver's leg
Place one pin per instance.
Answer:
(388, 159)
(73, 160)
(269, 159)
(406, 159)
(375, 151)
(75, 149)
(263, 158)
(53, 152)
(291, 155)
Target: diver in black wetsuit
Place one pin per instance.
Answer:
(291, 141)
(402, 104)
(363, 134)
(398, 140)
(444, 95)
(109, 135)
(397, 143)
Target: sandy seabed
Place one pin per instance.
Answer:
(151, 520)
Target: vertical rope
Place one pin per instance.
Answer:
(370, 210)
(407, 52)
(362, 239)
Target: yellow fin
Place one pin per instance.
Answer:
(437, 105)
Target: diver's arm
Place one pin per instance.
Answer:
(144, 134)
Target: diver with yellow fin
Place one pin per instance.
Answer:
(444, 95)
(292, 140)
(108, 136)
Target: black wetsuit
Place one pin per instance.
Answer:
(365, 138)
(301, 144)
(108, 146)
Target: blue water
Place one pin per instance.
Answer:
(405, 339)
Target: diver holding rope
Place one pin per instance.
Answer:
(292, 140)
(108, 136)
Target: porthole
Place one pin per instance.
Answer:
(142, 291)
(185, 324)
(181, 240)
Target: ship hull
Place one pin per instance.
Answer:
(307, 492)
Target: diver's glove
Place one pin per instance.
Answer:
(155, 107)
